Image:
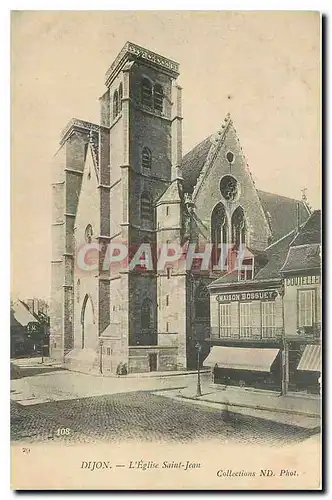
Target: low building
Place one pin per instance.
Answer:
(265, 331)
(23, 325)
(301, 275)
(37, 306)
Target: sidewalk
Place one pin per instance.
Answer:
(290, 409)
(263, 400)
(37, 362)
(161, 374)
(34, 362)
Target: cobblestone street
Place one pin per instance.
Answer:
(144, 416)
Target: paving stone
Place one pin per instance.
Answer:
(141, 415)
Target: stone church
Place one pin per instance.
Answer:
(126, 179)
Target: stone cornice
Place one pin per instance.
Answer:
(246, 285)
(150, 176)
(131, 51)
(74, 171)
(301, 271)
(169, 202)
(78, 125)
(173, 228)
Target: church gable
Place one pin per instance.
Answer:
(88, 204)
(225, 185)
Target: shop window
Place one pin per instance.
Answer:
(268, 318)
(306, 308)
(146, 92)
(245, 319)
(225, 320)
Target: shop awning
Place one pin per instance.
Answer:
(311, 359)
(240, 358)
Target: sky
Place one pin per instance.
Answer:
(262, 67)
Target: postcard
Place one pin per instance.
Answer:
(165, 313)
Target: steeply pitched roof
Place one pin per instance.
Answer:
(94, 145)
(192, 164)
(304, 253)
(310, 233)
(281, 213)
(172, 193)
(276, 255)
(302, 258)
(21, 314)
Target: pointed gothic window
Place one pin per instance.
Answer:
(238, 227)
(146, 160)
(219, 234)
(120, 97)
(146, 92)
(146, 315)
(158, 97)
(115, 104)
(88, 233)
(146, 207)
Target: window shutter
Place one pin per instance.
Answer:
(158, 96)
(146, 92)
(146, 159)
(234, 319)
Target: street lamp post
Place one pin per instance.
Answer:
(199, 388)
(284, 352)
(101, 357)
(42, 329)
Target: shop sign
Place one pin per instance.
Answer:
(302, 280)
(242, 296)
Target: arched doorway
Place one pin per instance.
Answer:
(88, 327)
